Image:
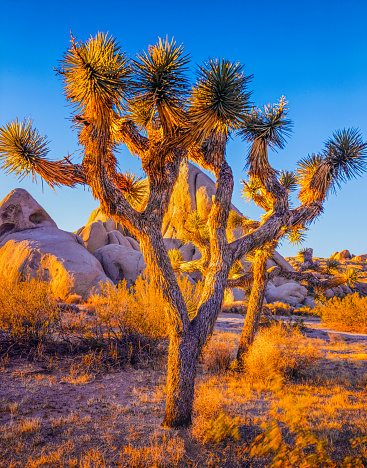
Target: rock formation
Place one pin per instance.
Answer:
(31, 245)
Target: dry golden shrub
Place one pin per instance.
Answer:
(138, 309)
(162, 452)
(217, 356)
(212, 423)
(279, 350)
(348, 314)
(142, 307)
(27, 308)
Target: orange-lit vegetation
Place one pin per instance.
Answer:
(148, 104)
(348, 314)
(295, 402)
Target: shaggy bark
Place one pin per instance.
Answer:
(182, 362)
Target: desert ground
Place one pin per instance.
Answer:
(74, 411)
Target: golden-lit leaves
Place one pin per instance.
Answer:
(351, 276)
(21, 147)
(135, 189)
(253, 190)
(344, 158)
(95, 74)
(236, 270)
(160, 84)
(219, 100)
(23, 151)
(296, 235)
(236, 221)
(305, 172)
(176, 259)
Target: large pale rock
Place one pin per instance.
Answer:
(19, 211)
(282, 262)
(289, 293)
(309, 302)
(134, 243)
(115, 237)
(58, 256)
(94, 236)
(193, 191)
(120, 262)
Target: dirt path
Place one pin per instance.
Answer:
(314, 329)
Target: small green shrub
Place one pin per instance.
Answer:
(348, 314)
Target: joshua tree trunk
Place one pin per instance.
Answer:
(182, 361)
(252, 320)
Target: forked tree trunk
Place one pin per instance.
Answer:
(252, 320)
(182, 363)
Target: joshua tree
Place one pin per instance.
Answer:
(146, 104)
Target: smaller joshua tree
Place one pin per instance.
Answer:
(147, 104)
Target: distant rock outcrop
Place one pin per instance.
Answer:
(289, 293)
(343, 255)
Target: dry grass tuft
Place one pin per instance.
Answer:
(279, 350)
(160, 453)
(348, 314)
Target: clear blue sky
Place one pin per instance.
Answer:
(313, 52)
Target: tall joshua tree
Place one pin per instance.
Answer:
(146, 103)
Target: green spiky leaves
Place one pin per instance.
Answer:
(345, 155)
(95, 74)
(265, 128)
(160, 83)
(21, 148)
(289, 180)
(268, 124)
(219, 100)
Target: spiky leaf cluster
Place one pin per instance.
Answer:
(23, 151)
(296, 235)
(289, 180)
(95, 73)
(332, 266)
(343, 158)
(236, 270)
(305, 173)
(351, 276)
(219, 100)
(160, 83)
(268, 124)
(345, 155)
(135, 189)
(21, 148)
(195, 230)
(176, 259)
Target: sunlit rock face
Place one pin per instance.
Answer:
(31, 245)
(121, 262)
(20, 211)
(194, 190)
(290, 293)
